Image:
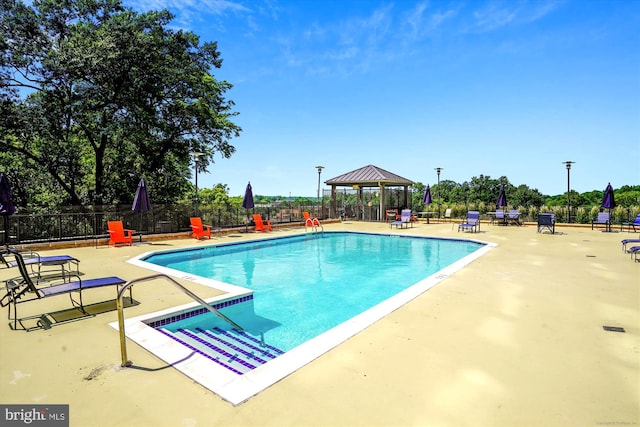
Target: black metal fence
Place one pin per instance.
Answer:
(91, 223)
(86, 223)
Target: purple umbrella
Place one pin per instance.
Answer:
(427, 195)
(141, 201)
(608, 201)
(502, 197)
(247, 202)
(6, 205)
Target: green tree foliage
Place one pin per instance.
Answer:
(94, 95)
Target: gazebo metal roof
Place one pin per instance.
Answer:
(369, 176)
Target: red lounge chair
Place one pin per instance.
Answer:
(310, 222)
(260, 225)
(119, 234)
(199, 231)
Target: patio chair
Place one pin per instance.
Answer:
(602, 218)
(548, 221)
(634, 251)
(447, 215)
(500, 217)
(198, 230)
(37, 262)
(309, 221)
(119, 234)
(514, 217)
(391, 215)
(625, 242)
(471, 223)
(405, 219)
(629, 225)
(260, 225)
(22, 289)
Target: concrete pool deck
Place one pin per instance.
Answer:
(515, 338)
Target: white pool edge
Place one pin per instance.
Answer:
(238, 388)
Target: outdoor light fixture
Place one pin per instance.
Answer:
(438, 170)
(196, 157)
(319, 172)
(568, 163)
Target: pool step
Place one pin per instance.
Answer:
(236, 351)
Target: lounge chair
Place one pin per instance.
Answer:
(625, 242)
(260, 225)
(391, 215)
(500, 217)
(405, 219)
(22, 289)
(471, 223)
(310, 222)
(629, 225)
(514, 217)
(199, 230)
(602, 218)
(447, 215)
(634, 251)
(37, 262)
(548, 221)
(119, 234)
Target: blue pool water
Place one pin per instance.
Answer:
(307, 284)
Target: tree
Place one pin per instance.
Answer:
(96, 95)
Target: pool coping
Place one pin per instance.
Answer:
(238, 388)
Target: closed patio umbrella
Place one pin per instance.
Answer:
(427, 195)
(141, 201)
(247, 202)
(7, 207)
(502, 197)
(608, 202)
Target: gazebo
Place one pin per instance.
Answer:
(367, 177)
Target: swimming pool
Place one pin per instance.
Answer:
(296, 297)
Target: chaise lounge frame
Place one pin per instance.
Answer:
(22, 290)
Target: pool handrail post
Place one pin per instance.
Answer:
(119, 306)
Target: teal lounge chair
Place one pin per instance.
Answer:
(22, 290)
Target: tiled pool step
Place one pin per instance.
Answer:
(237, 351)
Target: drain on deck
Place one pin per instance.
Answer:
(613, 328)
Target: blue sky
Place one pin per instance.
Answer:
(493, 88)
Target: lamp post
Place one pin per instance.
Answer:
(196, 157)
(438, 170)
(319, 172)
(568, 163)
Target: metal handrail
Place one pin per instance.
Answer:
(119, 305)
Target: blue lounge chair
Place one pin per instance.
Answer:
(602, 218)
(37, 262)
(22, 289)
(501, 218)
(405, 219)
(514, 217)
(629, 225)
(625, 242)
(634, 251)
(548, 221)
(472, 223)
